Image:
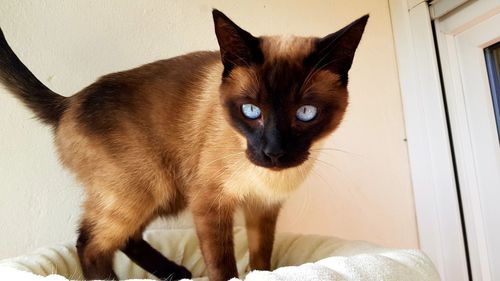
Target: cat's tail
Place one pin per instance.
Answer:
(47, 105)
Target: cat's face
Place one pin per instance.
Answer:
(284, 94)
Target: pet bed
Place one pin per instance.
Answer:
(295, 257)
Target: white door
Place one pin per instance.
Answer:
(469, 49)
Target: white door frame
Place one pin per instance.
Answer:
(461, 39)
(430, 154)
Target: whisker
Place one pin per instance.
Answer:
(343, 177)
(316, 68)
(316, 172)
(326, 163)
(336, 150)
(309, 77)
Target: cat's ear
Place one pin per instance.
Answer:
(237, 46)
(335, 51)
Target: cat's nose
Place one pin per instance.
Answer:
(275, 153)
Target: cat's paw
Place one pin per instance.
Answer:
(180, 273)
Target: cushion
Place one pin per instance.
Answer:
(295, 257)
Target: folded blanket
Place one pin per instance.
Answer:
(397, 265)
(295, 257)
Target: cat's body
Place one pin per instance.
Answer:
(116, 150)
(158, 139)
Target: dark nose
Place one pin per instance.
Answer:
(274, 153)
(273, 147)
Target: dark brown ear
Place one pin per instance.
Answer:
(237, 47)
(335, 51)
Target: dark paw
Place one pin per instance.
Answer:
(180, 273)
(183, 273)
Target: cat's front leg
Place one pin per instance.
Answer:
(260, 221)
(213, 218)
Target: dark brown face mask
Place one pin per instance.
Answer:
(291, 96)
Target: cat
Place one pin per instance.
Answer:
(208, 131)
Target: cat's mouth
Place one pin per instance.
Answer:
(273, 164)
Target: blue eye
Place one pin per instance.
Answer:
(250, 111)
(306, 113)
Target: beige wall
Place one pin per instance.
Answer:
(363, 193)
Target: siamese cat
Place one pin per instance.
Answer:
(207, 131)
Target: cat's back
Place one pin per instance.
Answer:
(134, 121)
(135, 94)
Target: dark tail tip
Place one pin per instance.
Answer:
(18, 79)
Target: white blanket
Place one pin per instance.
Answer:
(295, 257)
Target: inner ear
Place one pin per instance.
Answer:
(237, 46)
(335, 52)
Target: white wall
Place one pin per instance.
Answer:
(364, 193)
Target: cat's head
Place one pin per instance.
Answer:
(284, 93)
